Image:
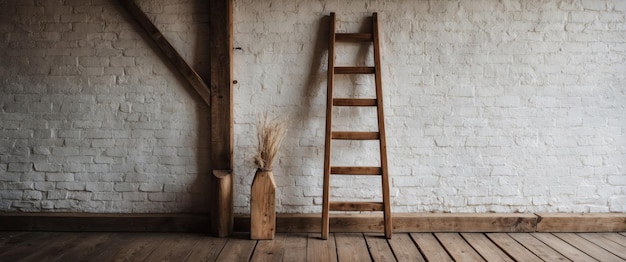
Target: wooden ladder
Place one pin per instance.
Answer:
(377, 102)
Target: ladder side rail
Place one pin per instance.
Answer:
(329, 115)
(381, 128)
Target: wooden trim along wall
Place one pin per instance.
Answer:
(292, 223)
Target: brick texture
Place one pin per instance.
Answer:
(91, 118)
(491, 106)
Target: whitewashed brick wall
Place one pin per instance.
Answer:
(91, 118)
(490, 105)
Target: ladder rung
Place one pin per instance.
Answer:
(356, 135)
(356, 206)
(356, 170)
(354, 37)
(354, 70)
(354, 102)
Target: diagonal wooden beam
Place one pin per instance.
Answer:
(168, 50)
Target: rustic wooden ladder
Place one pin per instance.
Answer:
(377, 102)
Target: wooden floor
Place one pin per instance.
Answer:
(60, 246)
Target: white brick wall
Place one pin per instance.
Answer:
(490, 105)
(498, 106)
(91, 118)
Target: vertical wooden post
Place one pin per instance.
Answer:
(221, 55)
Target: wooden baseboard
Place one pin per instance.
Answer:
(581, 222)
(402, 222)
(104, 222)
(426, 222)
(451, 222)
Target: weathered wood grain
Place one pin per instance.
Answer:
(379, 247)
(207, 249)
(237, 248)
(562, 247)
(589, 248)
(404, 248)
(487, 249)
(537, 247)
(512, 247)
(270, 250)
(456, 246)
(318, 249)
(351, 247)
(295, 247)
(430, 247)
(581, 222)
(97, 246)
(222, 136)
(605, 243)
(263, 206)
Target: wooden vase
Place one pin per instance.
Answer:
(263, 205)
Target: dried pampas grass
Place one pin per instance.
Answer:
(270, 132)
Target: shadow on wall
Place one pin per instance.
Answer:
(313, 86)
(198, 190)
(201, 63)
(316, 84)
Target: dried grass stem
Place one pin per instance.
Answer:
(270, 132)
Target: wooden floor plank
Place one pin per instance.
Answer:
(379, 247)
(56, 248)
(138, 247)
(487, 249)
(23, 246)
(605, 243)
(537, 247)
(321, 250)
(404, 248)
(562, 247)
(10, 239)
(87, 246)
(270, 250)
(512, 247)
(456, 246)
(430, 247)
(238, 248)
(615, 237)
(97, 246)
(207, 249)
(351, 247)
(295, 247)
(109, 249)
(175, 247)
(589, 248)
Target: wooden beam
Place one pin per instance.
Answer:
(403, 222)
(221, 54)
(581, 222)
(104, 222)
(301, 223)
(168, 50)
